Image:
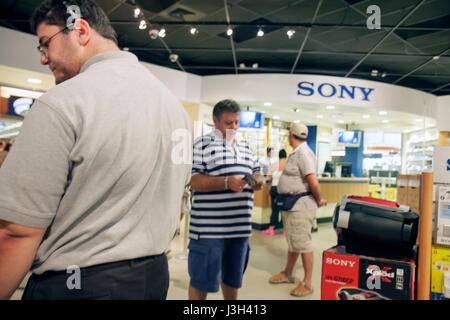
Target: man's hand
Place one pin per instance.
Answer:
(322, 203)
(236, 183)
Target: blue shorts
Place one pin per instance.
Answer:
(214, 260)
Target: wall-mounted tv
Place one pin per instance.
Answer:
(251, 119)
(350, 138)
(19, 106)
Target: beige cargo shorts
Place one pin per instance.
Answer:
(298, 225)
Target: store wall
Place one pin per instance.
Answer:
(318, 89)
(443, 113)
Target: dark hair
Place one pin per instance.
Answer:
(269, 149)
(282, 154)
(227, 105)
(54, 12)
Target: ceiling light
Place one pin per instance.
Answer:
(194, 30)
(267, 104)
(162, 33)
(383, 75)
(35, 81)
(255, 66)
(229, 31)
(296, 121)
(142, 25)
(419, 120)
(126, 49)
(366, 116)
(331, 107)
(374, 73)
(290, 33)
(382, 113)
(137, 12)
(341, 121)
(173, 57)
(296, 110)
(242, 65)
(319, 116)
(260, 33)
(385, 121)
(276, 117)
(436, 57)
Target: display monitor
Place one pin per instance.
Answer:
(346, 171)
(329, 167)
(19, 106)
(350, 138)
(251, 119)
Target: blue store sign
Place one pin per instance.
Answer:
(328, 90)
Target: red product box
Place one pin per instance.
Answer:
(352, 277)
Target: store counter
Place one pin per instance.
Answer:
(333, 189)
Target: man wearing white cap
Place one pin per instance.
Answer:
(299, 186)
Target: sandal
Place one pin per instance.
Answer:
(301, 290)
(281, 278)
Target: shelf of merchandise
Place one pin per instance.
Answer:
(418, 150)
(257, 140)
(278, 139)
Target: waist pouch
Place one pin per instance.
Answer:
(286, 201)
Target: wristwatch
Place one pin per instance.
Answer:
(226, 182)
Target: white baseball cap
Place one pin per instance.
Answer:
(299, 130)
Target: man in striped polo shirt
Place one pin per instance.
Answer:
(220, 224)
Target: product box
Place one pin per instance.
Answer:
(443, 215)
(353, 277)
(413, 191)
(440, 266)
(402, 189)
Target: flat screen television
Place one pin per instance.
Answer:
(350, 138)
(251, 119)
(19, 106)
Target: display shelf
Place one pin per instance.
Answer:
(256, 139)
(278, 139)
(418, 150)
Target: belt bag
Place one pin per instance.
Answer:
(286, 201)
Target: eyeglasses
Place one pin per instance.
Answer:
(43, 47)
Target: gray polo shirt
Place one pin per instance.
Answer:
(93, 164)
(301, 162)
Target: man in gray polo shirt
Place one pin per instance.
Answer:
(299, 177)
(90, 195)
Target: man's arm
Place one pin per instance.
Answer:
(18, 246)
(315, 189)
(204, 183)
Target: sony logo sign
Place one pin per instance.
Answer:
(328, 90)
(340, 262)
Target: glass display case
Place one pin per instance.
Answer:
(256, 139)
(418, 150)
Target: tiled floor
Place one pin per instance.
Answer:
(267, 257)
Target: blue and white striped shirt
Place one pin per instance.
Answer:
(224, 213)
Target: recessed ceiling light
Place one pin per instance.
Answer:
(276, 117)
(319, 116)
(242, 65)
(137, 12)
(366, 116)
(229, 31)
(385, 121)
(341, 121)
(382, 113)
(296, 121)
(331, 107)
(374, 73)
(296, 110)
(35, 81)
(255, 66)
(383, 75)
(267, 104)
(193, 31)
(436, 57)
(162, 33)
(126, 49)
(290, 33)
(142, 25)
(419, 120)
(260, 33)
